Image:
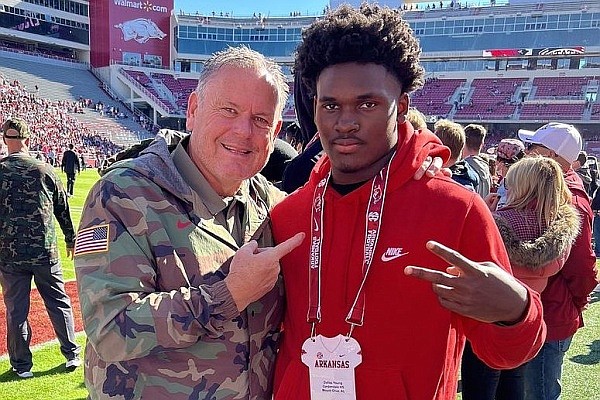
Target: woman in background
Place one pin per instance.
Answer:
(538, 224)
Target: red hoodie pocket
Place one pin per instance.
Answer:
(295, 383)
(381, 383)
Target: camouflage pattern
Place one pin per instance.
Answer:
(171, 136)
(30, 195)
(160, 321)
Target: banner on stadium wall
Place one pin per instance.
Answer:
(140, 31)
(547, 51)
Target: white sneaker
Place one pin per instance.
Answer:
(73, 363)
(23, 374)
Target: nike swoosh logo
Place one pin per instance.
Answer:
(386, 258)
(183, 225)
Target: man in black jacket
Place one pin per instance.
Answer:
(70, 166)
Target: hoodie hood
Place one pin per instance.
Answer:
(155, 163)
(554, 242)
(305, 110)
(412, 150)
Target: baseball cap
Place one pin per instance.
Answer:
(15, 128)
(563, 139)
(510, 150)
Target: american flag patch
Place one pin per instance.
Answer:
(92, 240)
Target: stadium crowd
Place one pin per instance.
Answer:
(52, 125)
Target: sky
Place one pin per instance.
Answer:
(246, 8)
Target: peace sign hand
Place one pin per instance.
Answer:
(482, 291)
(254, 271)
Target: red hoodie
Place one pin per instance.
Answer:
(411, 346)
(568, 292)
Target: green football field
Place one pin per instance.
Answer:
(581, 371)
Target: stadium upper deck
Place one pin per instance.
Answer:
(54, 28)
(453, 38)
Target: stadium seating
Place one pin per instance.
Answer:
(147, 84)
(434, 97)
(595, 112)
(60, 112)
(289, 110)
(553, 111)
(491, 98)
(559, 87)
(180, 88)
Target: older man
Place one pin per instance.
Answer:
(175, 305)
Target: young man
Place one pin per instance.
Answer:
(475, 136)
(175, 304)
(452, 135)
(358, 325)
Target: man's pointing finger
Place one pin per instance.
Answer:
(284, 248)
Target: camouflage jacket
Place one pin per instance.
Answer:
(150, 262)
(31, 194)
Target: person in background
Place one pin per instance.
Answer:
(596, 222)
(567, 293)
(282, 154)
(592, 163)
(70, 166)
(293, 137)
(31, 197)
(508, 152)
(580, 166)
(491, 162)
(538, 225)
(179, 284)
(369, 222)
(475, 137)
(51, 157)
(452, 135)
(298, 170)
(416, 119)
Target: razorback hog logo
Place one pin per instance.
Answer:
(141, 30)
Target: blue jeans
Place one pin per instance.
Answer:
(596, 232)
(543, 373)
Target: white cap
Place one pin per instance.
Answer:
(563, 139)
